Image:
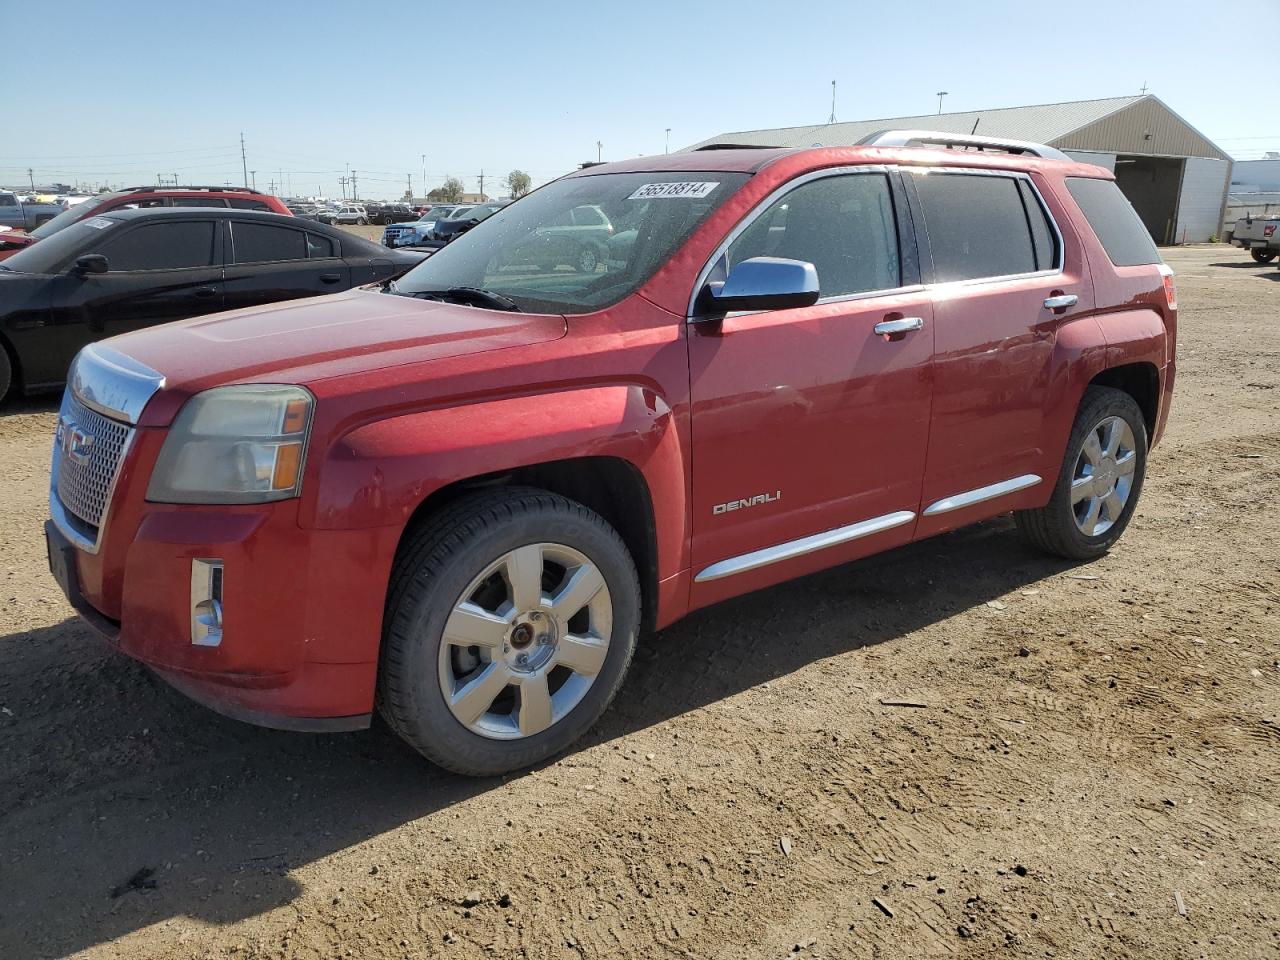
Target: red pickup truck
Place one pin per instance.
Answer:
(460, 499)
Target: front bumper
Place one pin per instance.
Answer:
(302, 609)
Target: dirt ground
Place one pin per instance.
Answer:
(1098, 744)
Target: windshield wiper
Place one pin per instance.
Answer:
(475, 296)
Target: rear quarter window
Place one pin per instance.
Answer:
(1113, 219)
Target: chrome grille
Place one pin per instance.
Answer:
(87, 455)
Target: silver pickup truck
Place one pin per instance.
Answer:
(25, 216)
(1259, 236)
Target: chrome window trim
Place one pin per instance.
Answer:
(982, 494)
(805, 545)
(122, 387)
(765, 203)
(1058, 268)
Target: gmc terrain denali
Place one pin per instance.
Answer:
(462, 497)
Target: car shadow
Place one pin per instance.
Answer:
(38, 403)
(110, 774)
(1245, 265)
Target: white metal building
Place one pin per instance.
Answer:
(1175, 177)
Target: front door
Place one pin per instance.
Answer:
(810, 427)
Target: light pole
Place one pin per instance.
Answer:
(424, 176)
(667, 148)
(941, 94)
(833, 102)
(599, 152)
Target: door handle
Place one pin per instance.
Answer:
(898, 328)
(204, 293)
(1060, 301)
(330, 277)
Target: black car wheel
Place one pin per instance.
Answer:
(1262, 256)
(6, 374)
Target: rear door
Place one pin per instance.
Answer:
(273, 261)
(993, 257)
(158, 272)
(809, 427)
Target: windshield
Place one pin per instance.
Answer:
(70, 216)
(525, 253)
(50, 254)
(436, 212)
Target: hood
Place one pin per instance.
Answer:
(304, 341)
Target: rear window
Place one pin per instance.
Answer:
(977, 226)
(265, 243)
(1119, 229)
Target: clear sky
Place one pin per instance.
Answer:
(127, 89)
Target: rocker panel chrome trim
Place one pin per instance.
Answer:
(796, 548)
(982, 494)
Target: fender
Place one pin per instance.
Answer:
(379, 473)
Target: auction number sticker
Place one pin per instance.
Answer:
(98, 223)
(684, 190)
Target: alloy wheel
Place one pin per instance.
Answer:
(1103, 477)
(525, 641)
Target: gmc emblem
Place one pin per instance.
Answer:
(75, 444)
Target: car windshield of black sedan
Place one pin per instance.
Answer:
(52, 255)
(546, 258)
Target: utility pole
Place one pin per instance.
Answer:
(244, 164)
(1143, 91)
(272, 187)
(424, 175)
(355, 193)
(667, 148)
(833, 102)
(342, 182)
(941, 94)
(31, 175)
(482, 186)
(599, 152)
(254, 175)
(409, 189)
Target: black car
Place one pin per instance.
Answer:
(385, 213)
(129, 269)
(459, 222)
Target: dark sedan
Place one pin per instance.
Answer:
(460, 221)
(129, 269)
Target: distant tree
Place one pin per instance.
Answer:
(518, 183)
(452, 190)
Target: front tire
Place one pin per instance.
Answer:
(1262, 256)
(511, 620)
(1098, 486)
(6, 374)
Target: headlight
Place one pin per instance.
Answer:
(242, 444)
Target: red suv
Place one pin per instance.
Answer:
(462, 498)
(239, 198)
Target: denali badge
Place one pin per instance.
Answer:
(758, 499)
(74, 443)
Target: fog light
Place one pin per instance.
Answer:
(206, 603)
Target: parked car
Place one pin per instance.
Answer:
(11, 241)
(418, 231)
(579, 238)
(146, 198)
(327, 214)
(385, 213)
(1259, 236)
(351, 213)
(305, 211)
(462, 220)
(463, 499)
(130, 269)
(25, 215)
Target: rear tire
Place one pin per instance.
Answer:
(6, 374)
(531, 675)
(1098, 486)
(1262, 256)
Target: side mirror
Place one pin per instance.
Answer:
(91, 263)
(762, 283)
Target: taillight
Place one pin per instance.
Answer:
(1170, 292)
(1269, 231)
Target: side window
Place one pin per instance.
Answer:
(239, 204)
(976, 224)
(319, 247)
(144, 203)
(1043, 239)
(8, 200)
(264, 243)
(1119, 229)
(843, 225)
(588, 217)
(161, 246)
(199, 202)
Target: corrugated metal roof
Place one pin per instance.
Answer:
(1042, 123)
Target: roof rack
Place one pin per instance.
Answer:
(905, 138)
(736, 146)
(171, 187)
